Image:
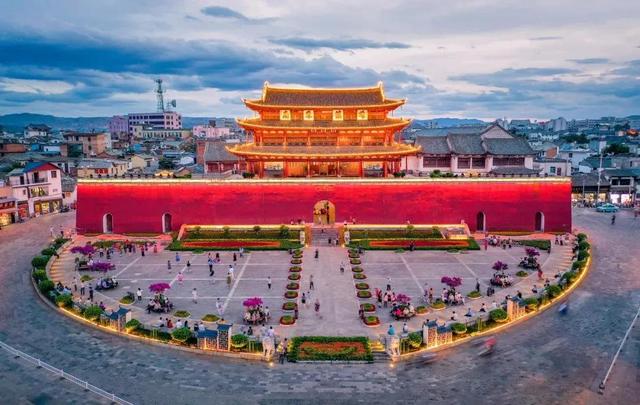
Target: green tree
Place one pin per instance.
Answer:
(166, 164)
(616, 148)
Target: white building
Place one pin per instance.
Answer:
(552, 166)
(209, 131)
(37, 187)
(33, 130)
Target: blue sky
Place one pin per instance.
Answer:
(477, 58)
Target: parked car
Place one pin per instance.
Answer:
(607, 208)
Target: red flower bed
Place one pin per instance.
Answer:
(419, 243)
(232, 244)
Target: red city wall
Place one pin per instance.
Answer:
(510, 205)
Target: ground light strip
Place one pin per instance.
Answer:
(62, 374)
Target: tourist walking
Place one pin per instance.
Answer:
(177, 257)
(315, 255)
(304, 300)
(75, 284)
(477, 285)
(230, 272)
(268, 282)
(139, 294)
(81, 287)
(613, 219)
(180, 278)
(210, 262)
(342, 267)
(194, 294)
(235, 258)
(317, 307)
(188, 266)
(91, 293)
(311, 281)
(219, 306)
(169, 265)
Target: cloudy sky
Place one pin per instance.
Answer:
(475, 58)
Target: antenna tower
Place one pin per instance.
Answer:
(159, 96)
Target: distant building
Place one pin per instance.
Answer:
(37, 187)
(69, 195)
(93, 143)
(95, 168)
(552, 166)
(118, 124)
(11, 146)
(166, 120)
(491, 150)
(216, 158)
(142, 161)
(32, 130)
(209, 131)
(162, 133)
(575, 154)
(8, 206)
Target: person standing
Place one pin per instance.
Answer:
(317, 307)
(139, 294)
(91, 293)
(311, 282)
(169, 265)
(315, 255)
(177, 257)
(180, 278)
(194, 294)
(477, 285)
(82, 288)
(235, 258)
(268, 282)
(613, 219)
(230, 272)
(188, 266)
(210, 262)
(75, 284)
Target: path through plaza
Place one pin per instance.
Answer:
(336, 292)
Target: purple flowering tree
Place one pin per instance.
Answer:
(101, 266)
(159, 288)
(531, 252)
(500, 266)
(452, 282)
(84, 250)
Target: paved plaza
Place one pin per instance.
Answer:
(409, 273)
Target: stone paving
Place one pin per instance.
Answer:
(549, 359)
(410, 273)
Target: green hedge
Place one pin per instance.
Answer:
(92, 313)
(50, 251)
(498, 315)
(365, 244)
(284, 232)
(39, 275)
(407, 233)
(181, 334)
(319, 356)
(285, 244)
(64, 300)
(542, 244)
(45, 286)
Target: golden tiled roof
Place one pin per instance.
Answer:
(386, 123)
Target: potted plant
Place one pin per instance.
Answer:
(132, 325)
(368, 307)
(293, 286)
(182, 314)
(414, 339)
(357, 269)
(295, 269)
(289, 306)
(362, 286)
(359, 276)
(355, 261)
(522, 273)
(296, 261)
(287, 320)
(294, 276)
(402, 309)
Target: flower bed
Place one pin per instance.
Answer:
(295, 269)
(210, 318)
(321, 348)
(287, 320)
(293, 286)
(236, 244)
(498, 315)
(421, 244)
(289, 306)
(291, 295)
(359, 276)
(355, 261)
(364, 294)
(371, 320)
(438, 304)
(420, 310)
(474, 295)
(296, 261)
(368, 307)
(357, 269)
(362, 286)
(294, 276)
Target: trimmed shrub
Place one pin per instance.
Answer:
(414, 339)
(583, 255)
(531, 303)
(182, 334)
(132, 325)
(48, 251)
(92, 313)
(289, 306)
(45, 286)
(459, 328)
(356, 261)
(570, 276)
(362, 286)
(126, 300)
(296, 261)
(64, 300)
(39, 275)
(584, 245)
(39, 262)
(554, 291)
(239, 341)
(210, 318)
(357, 269)
(498, 315)
(359, 276)
(582, 237)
